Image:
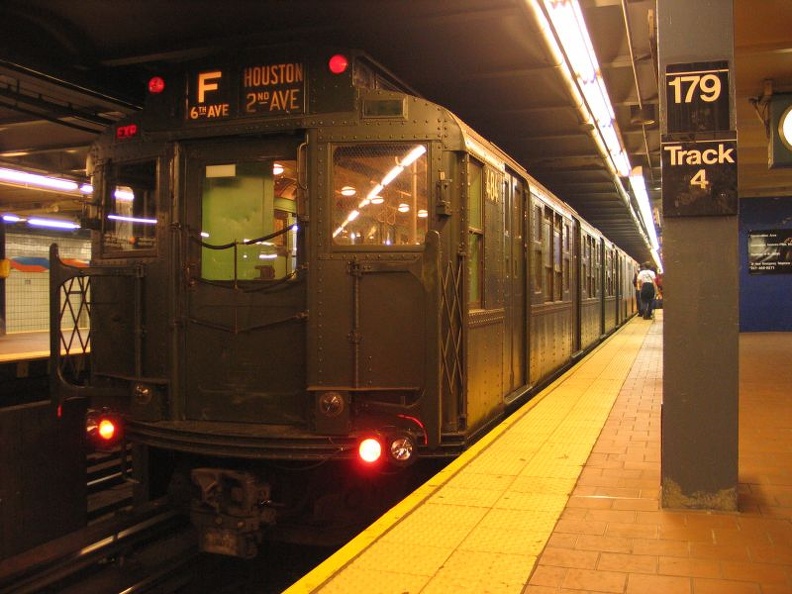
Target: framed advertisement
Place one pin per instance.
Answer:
(770, 251)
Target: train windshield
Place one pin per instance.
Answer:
(130, 221)
(248, 220)
(380, 194)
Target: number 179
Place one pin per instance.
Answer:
(708, 87)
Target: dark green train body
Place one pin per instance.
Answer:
(288, 262)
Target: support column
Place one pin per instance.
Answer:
(700, 255)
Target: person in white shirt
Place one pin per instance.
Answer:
(646, 283)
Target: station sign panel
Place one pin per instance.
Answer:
(222, 93)
(697, 97)
(699, 178)
(699, 150)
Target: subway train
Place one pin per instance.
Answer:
(305, 280)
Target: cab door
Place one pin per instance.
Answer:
(242, 303)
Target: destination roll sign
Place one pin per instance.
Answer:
(699, 150)
(252, 90)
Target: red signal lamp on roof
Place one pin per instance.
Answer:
(156, 85)
(338, 64)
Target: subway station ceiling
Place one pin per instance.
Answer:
(69, 69)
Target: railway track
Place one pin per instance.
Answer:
(132, 552)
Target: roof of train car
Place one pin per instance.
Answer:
(69, 69)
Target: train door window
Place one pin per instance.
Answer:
(565, 262)
(380, 194)
(590, 267)
(598, 268)
(130, 209)
(547, 252)
(538, 262)
(475, 207)
(248, 220)
(557, 259)
(585, 255)
(609, 292)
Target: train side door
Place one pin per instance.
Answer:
(514, 285)
(242, 299)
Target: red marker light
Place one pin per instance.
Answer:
(338, 64)
(107, 429)
(156, 85)
(370, 450)
(104, 429)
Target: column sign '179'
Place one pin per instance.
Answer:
(697, 97)
(252, 90)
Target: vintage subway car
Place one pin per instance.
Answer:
(304, 278)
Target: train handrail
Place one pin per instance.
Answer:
(195, 237)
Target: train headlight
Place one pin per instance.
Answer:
(370, 450)
(331, 404)
(142, 393)
(401, 449)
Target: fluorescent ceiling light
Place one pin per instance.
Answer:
(52, 223)
(639, 190)
(33, 179)
(568, 30)
(567, 38)
(132, 219)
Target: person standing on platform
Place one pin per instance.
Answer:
(646, 282)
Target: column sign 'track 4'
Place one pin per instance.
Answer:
(699, 156)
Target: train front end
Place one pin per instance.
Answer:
(263, 301)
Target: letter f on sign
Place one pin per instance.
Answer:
(205, 84)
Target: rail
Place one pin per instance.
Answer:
(75, 558)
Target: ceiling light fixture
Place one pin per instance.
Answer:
(52, 223)
(566, 34)
(23, 178)
(639, 191)
(567, 38)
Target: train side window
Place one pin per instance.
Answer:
(248, 216)
(475, 206)
(609, 292)
(130, 209)
(380, 194)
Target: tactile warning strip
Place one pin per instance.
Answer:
(479, 525)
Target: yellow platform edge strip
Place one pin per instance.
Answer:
(329, 568)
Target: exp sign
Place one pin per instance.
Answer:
(253, 90)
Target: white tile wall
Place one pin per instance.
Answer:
(27, 293)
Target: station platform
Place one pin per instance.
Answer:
(24, 346)
(563, 497)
